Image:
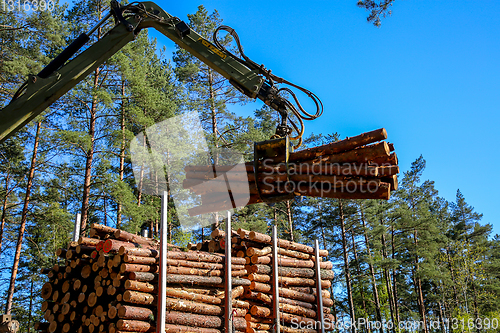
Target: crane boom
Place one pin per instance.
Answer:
(43, 89)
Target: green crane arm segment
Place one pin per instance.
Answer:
(41, 90)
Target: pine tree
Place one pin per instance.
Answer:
(464, 220)
(490, 304)
(362, 219)
(421, 237)
(148, 95)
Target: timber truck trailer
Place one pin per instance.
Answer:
(39, 91)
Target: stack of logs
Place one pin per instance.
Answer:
(109, 284)
(360, 167)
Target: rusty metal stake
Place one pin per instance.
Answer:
(162, 281)
(76, 230)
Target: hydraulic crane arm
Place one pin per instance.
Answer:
(41, 90)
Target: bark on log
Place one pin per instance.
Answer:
(385, 161)
(291, 262)
(202, 256)
(287, 281)
(382, 191)
(102, 228)
(143, 276)
(113, 245)
(252, 251)
(137, 297)
(198, 264)
(47, 290)
(140, 286)
(340, 146)
(88, 241)
(194, 320)
(287, 293)
(133, 325)
(131, 259)
(170, 328)
(195, 280)
(260, 311)
(138, 251)
(193, 296)
(127, 268)
(387, 171)
(129, 237)
(193, 307)
(259, 277)
(135, 313)
(263, 238)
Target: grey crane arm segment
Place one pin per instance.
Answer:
(41, 90)
(58, 77)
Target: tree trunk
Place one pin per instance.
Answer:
(290, 219)
(441, 317)
(323, 235)
(394, 283)
(121, 170)
(105, 207)
(31, 305)
(418, 287)
(24, 217)
(275, 215)
(346, 267)
(213, 110)
(90, 157)
(169, 220)
(388, 280)
(4, 209)
(90, 152)
(446, 313)
(372, 270)
(476, 308)
(452, 271)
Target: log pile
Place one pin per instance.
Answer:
(108, 283)
(360, 167)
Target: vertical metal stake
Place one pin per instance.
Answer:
(162, 280)
(319, 295)
(276, 297)
(229, 279)
(76, 230)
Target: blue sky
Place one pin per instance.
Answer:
(429, 75)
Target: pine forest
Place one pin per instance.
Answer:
(415, 258)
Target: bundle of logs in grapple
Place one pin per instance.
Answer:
(359, 167)
(108, 283)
